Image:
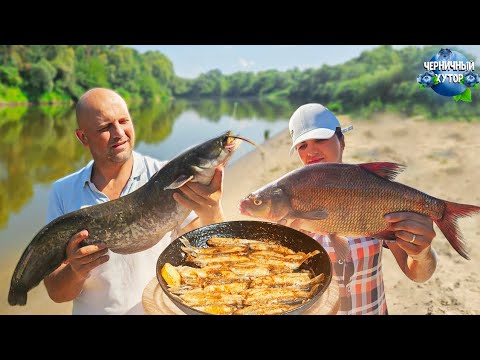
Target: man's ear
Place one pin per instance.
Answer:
(81, 137)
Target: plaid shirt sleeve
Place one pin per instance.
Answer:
(360, 276)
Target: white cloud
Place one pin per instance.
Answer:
(246, 64)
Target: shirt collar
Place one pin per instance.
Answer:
(138, 168)
(137, 171)
(87, 173)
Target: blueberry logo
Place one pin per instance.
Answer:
(427, 79)
(470, 79)
(445, 55)
(450, 73)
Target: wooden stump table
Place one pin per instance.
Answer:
(156, 302)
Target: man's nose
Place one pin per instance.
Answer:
(117, 130)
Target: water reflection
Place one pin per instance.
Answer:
(38, 146)
(267, 110)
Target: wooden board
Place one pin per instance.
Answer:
(156, 302)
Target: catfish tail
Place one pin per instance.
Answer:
(448, 224)
(17, 295)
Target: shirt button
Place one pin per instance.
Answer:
(340, 262)
(348, 288)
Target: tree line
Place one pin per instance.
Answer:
(62, 73)
(383, 78)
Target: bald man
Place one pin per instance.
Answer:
(96, 279)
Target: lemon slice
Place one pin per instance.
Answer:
(171, 275)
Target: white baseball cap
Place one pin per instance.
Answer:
(313, 121)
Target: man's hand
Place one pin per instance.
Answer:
(205, 200)
(84, 259)
(66, 282)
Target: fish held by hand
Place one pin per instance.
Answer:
(352, 200)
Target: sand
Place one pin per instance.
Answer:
(441, 159)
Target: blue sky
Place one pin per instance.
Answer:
(191, 60)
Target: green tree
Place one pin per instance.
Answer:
(9, 76)
(39, 78)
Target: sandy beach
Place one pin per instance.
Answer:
(441, 159)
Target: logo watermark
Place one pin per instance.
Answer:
(450, 73)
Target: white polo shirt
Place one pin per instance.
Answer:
(116, 286)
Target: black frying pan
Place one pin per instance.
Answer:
(253, 230)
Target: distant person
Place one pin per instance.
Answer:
(96, 279)
(317, 137)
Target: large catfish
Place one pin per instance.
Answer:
(129, 224)
(351, 200)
